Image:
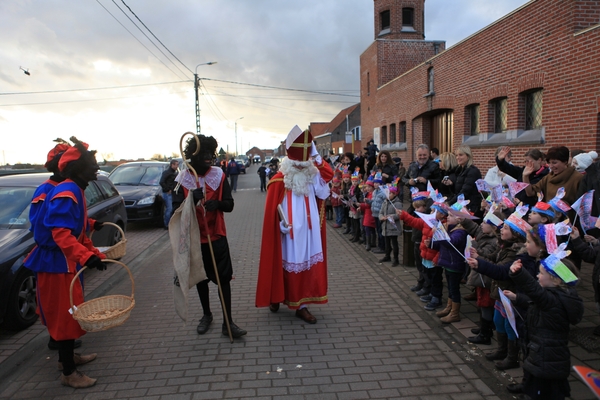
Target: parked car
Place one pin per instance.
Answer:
(138, 183)
(242, 165)
(17, 283)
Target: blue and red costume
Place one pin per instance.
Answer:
(59, 223)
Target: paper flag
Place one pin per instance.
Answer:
(439, 233)
(516, 187)
(429, 219)
(468, 246)
(510, 313)
(497, 194)
(583, 208)
(482, 185)
(590, 377)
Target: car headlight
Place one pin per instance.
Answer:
(146, 201)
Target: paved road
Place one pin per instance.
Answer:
(373, 338)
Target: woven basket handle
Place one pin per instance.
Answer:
(112, 224)
(106, 261)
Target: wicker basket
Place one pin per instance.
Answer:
(118, 250)
(104, 312)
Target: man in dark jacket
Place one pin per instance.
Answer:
(421, 171)
(233, 170)
(167, 183)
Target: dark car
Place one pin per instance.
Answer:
(139, 184)
(17, 283)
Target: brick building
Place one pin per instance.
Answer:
(530, 79)
(332, 135)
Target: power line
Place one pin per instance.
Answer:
(87, 100)
(152, 33)
(150, 51)
(90, 89)
(280, 88)
(154, 44)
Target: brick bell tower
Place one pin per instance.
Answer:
(399, 19)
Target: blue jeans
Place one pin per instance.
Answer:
(380, 239)
(233, 181)
(339, 214)
(453, 280)
(168, 200)
(503, 326)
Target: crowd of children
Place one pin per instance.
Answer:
(521, 262)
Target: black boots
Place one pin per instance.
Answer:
(484, 336)
(502, 350)
(512, 358)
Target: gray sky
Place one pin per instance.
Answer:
(310, 45)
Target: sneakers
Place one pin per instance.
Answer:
(77, 380)
(396, 263)
(384, 259)
(236, 331)
(426, 298)
(416, 288)
(423, 292)
(433, 304)
(80, 359)
(204, 324)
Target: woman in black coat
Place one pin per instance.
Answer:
(466, 176)
(533, 155)
(386, 166)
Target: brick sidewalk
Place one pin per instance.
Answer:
(373, 338)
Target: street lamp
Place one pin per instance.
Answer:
(236, 148)
(196, 86)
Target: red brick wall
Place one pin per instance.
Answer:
(395, 8)
(587, 13)
(534, 47)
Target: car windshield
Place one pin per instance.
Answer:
(136, 175)
(14, 207)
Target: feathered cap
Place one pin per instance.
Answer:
(557, 268)
(394, 185)
(72, 153)
(356, 174)
(370, 179)
(378, 178)
(543, 208)
(416, 195)
(516, 222)
(558, 204)
(57, 151)
(345, 172)
(491, 218)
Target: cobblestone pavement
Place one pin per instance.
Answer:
(373, 339)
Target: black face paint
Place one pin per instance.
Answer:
(202, 162)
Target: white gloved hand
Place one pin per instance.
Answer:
(285, 230)
(313, 150)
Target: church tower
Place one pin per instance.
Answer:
(400, 19)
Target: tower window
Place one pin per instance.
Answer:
(408, 17)
(385, 20)
(430, 77)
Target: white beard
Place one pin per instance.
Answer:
(298, 180)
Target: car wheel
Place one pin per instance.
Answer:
(160, 220)
(22, 304)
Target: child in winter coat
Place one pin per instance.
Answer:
(378, 198)
(355, 197)
(423, 286)
(429, 257)
(368, 220)
(485, 246)
(336, 201)
(553, 306)
(346, 184)
(588, 248)
(452, 259)
(390, 225)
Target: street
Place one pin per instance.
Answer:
(372, 340)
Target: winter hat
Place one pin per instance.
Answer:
(345, 173)
(584, 160)
(370, 179)
(57, 151)
(378, 178)
(394, 185)
(71, 154)
(543, 208)
(416, 195)
(356, 174)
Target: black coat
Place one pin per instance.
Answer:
(465, 185)
(550, 313)
(167, 180)
(430, 171)
(390, 169)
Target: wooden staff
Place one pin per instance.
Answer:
(212, 253)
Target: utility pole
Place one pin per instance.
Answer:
(196, 88)
(236, 146)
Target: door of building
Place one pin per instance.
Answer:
(442, 130)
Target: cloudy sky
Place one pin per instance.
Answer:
(95, 75)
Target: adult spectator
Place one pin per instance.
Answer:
(536, 157)
(262, 173)
(372, 151)
(561, 175)
(333, 158)
(466, 176)
(422, 170)
(167, 183)
(448, 166)
(386, 166)
(435, 154)
(359, 161)
(591, 179)
(233, 170)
